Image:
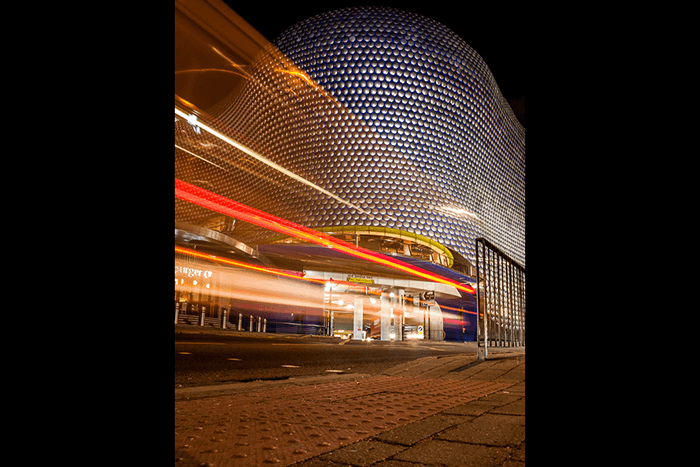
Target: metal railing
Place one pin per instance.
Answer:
(199, 318)
(500, 299)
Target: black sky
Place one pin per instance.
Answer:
(495, 31)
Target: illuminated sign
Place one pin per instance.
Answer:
(428, 295)
(361, 279)
(191, 272)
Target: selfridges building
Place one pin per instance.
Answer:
(389, 122)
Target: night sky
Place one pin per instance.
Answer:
(495, 32)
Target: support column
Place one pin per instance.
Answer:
(357, 319)
(427, 322)
(402, 313)
(436, 323)
(385, 317)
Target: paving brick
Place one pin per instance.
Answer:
(363, 453)
(447, 365)
(514, 408)
(518, 388)
(471, 408)
(512, 375)
(297, 423)
(404, 369)
(476, 369)
(489, 429)
(395, 463)
(454, 454)
(501, 398)
(315, 462)
(412, 433)
(455, 376)
(519, 453)
(512, 463)
(506, 364)
(417, 368)
(489, 375)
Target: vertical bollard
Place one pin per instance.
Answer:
(223, 324)
(482, 353)
(177, 311)
(240, 321)
(201, 316)
(250, 324)
(259, 323)
(265, 325)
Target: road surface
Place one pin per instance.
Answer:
(210, 357)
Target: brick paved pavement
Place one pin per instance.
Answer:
(452, 410)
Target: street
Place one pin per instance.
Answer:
(209, 357)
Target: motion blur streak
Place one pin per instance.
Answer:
(199, 157)
(299, 74)
(268, 162)
(444, 307)
(249, 286)
(210, 70)
(232, 262)
(214, 202)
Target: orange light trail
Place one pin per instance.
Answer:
(220, 204)
(445, 307)
(297, 73)
(210, 70)
(241, 264)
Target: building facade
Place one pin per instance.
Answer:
(393, 128)
(397, 116)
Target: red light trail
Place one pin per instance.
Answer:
(222, 205)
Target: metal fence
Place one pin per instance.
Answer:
(500, 299)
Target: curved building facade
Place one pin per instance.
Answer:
(389, 121)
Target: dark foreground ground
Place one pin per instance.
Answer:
(216, 357)
(443, 409)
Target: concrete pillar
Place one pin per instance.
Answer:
(436, 323)
(394, 315)
(430, 326)
(400, 320)
(426, 323)
(357, 320)
(385, 317)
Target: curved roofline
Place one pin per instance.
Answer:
(388, 232)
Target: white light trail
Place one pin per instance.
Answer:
(268, 162)
(198, 157)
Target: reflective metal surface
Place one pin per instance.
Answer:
(390, 112)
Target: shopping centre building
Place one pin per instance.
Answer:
(377, 127)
